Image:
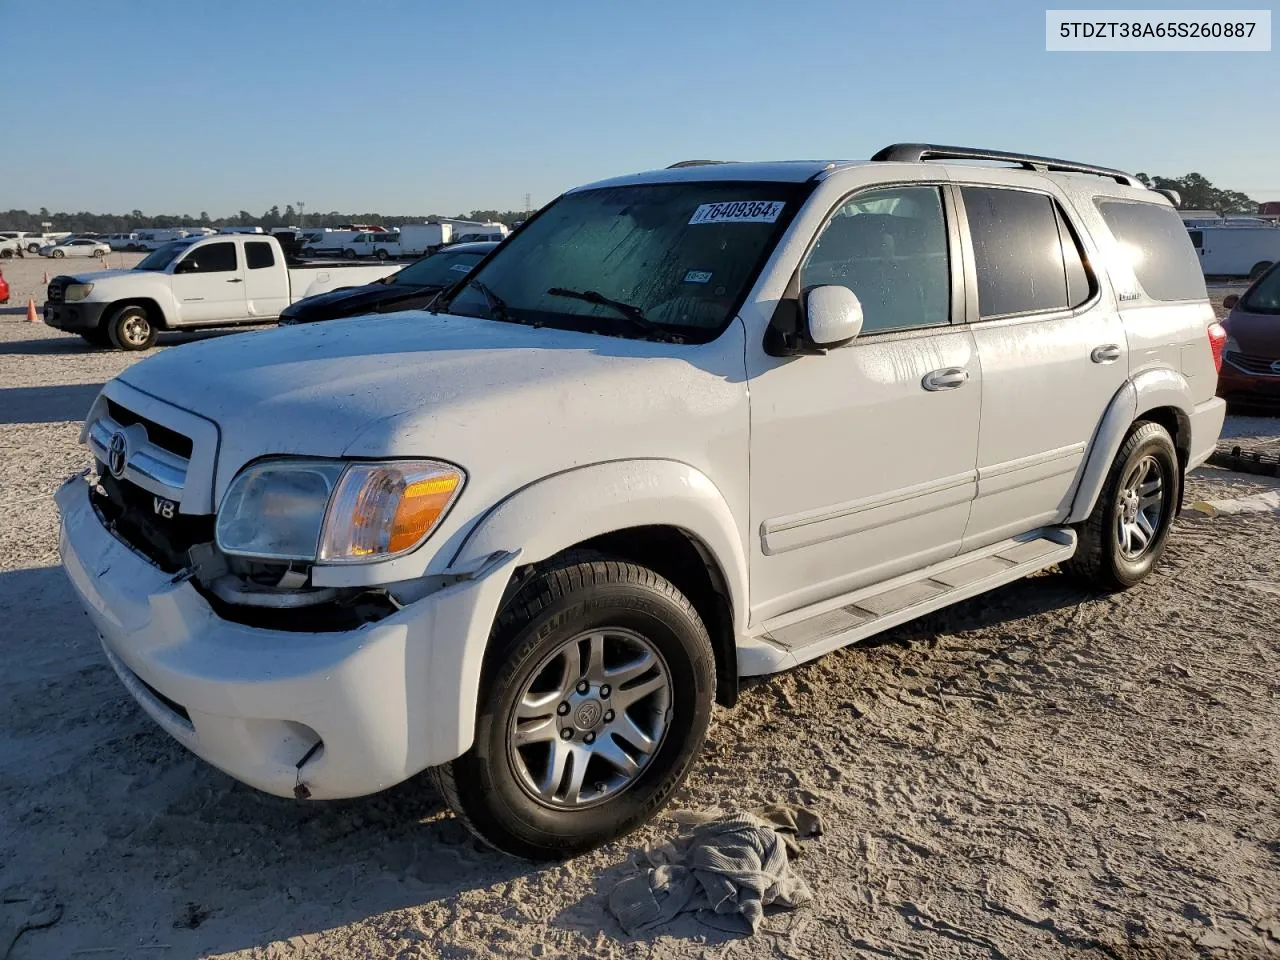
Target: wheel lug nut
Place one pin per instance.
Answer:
(604, 691)
(608, 716)
(589, 738)
(562, 709)
(583, 686)
(566, 734)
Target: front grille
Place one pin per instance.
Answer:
(130, 512)
(1258, 366)
(160, 435)
(57, 289)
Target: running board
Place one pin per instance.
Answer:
(797, 637)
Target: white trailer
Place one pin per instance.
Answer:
(1236, 251)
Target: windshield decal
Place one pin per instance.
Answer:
(697, 276)
(461, 267)
(739, 211)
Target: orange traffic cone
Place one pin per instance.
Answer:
(32, 316)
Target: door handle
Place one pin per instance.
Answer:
(947, 378)
(236, 280)
(1107, 353)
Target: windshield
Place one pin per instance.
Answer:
(161, 257)
(681, 256)
(438, 270)
(1265, 295)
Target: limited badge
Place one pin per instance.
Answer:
(697, 276)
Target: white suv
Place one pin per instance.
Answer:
(682, 427)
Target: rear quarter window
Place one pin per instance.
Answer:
(1155, 245)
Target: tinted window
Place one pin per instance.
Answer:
(1018, 252)
(1197, 238)
(257, 255)
(1264, 296)
(212, 258)
(1154, 244)
(890, 248)
(438, 270)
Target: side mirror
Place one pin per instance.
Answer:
(832, 315)
(1229, 302)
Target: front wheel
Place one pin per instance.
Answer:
(1125, 534)
(57, 254)
(594, 701)
(99, 254)
(130, 329)
(349, 254)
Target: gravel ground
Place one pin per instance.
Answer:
(1037, 773)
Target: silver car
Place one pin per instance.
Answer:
(76, 247)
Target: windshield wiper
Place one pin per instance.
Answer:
(629, 311)
(497, 306)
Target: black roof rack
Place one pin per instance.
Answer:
(695, 163)
(916, 152)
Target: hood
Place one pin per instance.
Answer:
(1256, 334)
(461, 389)
(371, 298)
(98, 276)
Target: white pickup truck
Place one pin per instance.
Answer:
(194, 282)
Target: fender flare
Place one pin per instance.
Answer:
(1147, 391)
(554, 513)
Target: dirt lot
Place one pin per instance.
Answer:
(1038, 773)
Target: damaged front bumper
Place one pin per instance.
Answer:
(325, 714)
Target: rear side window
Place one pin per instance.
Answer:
(1027, 256)
(213, 258)
(258, 255)
(1197, 238)
(1155, 245)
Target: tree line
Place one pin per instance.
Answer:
(1197, 194)
(86, 222)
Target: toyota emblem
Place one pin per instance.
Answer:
(1275, 367)
(117, 454)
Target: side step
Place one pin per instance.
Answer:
(802, 635)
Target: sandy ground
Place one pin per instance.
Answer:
(1037, 773)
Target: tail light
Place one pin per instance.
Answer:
(1217, 340)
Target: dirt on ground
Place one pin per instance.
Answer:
(1040, 772)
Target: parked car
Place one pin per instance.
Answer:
(11, 247)
(122, 241)
(683, 427)
(408, 289)
(27, 242)
(328, 242)
(1250, 375)
(216, 281)
(384, 246)
(1237, 250)
(4, 288)
(75, 247)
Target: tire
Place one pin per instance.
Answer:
(382, 255)
(1259, 268)
(96, 338)
(33, 248)
(1104, 558)
(6, 254)
(131, 329)
(642, 620)
(349, 254)
(98, 254)
(57, 254)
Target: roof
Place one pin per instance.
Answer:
(778, 171)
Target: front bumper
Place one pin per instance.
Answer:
(365, 709)
(76, 316)
(1237, 386)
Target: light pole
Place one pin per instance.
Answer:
(302, 209)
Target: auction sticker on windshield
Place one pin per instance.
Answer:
(739, 211)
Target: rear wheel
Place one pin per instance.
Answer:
(1259, 268)
(596, 696)
(131, 329)
(99, 254)
(349, 254)
(382, 254)
(57, 254)
(1125, 534)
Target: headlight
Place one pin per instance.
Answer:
(335, 511)
(77, 291)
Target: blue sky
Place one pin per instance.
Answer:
(416, 107)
